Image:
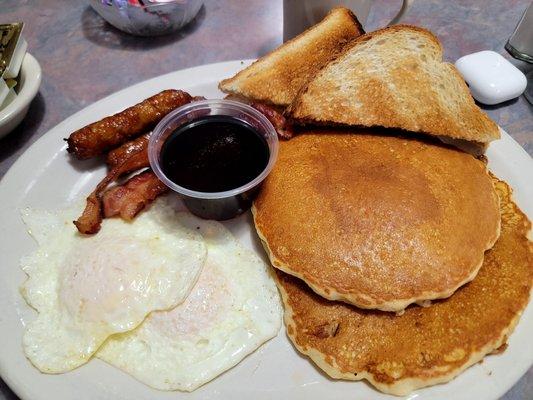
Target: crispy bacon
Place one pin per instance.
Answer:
(131, 198)
(118, 155)
(239, 98)
(89, 222)
(283, 127)
(91, 219)
(110, 132)
(274, 114)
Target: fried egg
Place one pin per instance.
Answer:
(231, 311)
(87, 288)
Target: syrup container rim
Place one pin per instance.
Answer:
(217, 107)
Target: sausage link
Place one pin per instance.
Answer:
(117, 156)
(111, 132)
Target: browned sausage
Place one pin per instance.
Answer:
(118, 155)
(111, 132)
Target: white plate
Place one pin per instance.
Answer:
(44, 176)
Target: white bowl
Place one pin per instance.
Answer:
(30, 80)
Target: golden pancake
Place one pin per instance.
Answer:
(377, 221)
(424, 346)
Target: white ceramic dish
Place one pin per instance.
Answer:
(30, 80)
(44, 176)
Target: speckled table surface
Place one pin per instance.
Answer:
(85, 59)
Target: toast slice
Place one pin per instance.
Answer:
(276, 78)
(394, 78)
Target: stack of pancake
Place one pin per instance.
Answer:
(361, 226)
(400, 259)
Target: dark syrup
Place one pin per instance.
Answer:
(214, 154)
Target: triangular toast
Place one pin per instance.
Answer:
(394, 78)
(276, 78)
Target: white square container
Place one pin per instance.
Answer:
(492, 79)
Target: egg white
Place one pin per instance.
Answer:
(87, 288)
(230, 312)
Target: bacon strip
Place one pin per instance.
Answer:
(238, 97)
(131, 198)
(283, 127)
(118, 155)
(110, 132)
(91, 219)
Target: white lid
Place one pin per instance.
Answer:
(492, 78)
